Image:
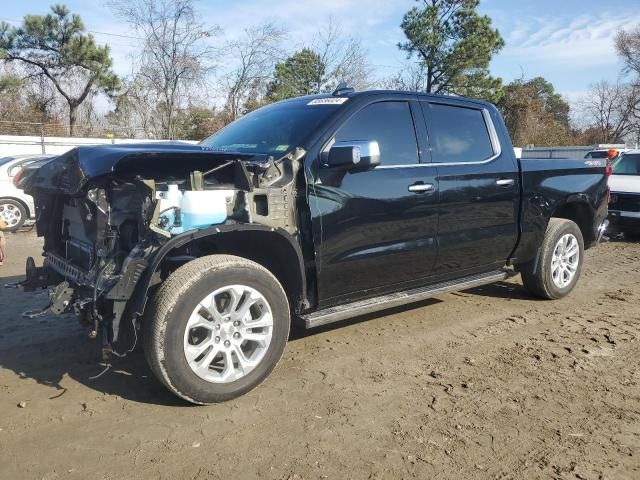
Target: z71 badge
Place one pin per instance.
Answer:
(593, 163)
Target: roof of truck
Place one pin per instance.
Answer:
(363, 93)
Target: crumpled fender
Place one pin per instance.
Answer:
(139, 298)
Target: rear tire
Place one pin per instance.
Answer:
(559, 262)
(13, 213)
(198, 335)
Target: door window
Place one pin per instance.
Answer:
(388, 123)
(458, 134)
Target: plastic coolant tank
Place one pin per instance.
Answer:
(201, 208)
(169, 199)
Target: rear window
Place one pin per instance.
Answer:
(13, 169)
(458, 134)
(628, 165)
(597, 154)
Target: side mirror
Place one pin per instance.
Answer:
(356, 155)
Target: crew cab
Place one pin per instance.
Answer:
(624, 207)
(313, 209)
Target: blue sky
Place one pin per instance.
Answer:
(569, 42)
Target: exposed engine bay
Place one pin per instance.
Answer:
(104, 221)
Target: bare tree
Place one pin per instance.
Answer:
(610, 109)
(411, 78)
(136, 110)
(628, 47)
(176, 55)
(344, 58)
(256, 55)
(27, 97)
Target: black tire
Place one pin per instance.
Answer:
(16, 209)
(169, 310)
(538, 280)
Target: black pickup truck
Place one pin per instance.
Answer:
(314, 209)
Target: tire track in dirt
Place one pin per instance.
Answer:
(486, 383)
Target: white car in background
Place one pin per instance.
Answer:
(16, 207)
(624, 206)
(610, 153)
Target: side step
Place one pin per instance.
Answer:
(362, 307)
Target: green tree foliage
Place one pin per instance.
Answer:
(55, 45)
(300, 74)
(534, 113)
(454, 44)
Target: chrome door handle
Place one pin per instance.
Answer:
(505, 182)
(421, 187)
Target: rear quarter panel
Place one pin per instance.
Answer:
(550, 184)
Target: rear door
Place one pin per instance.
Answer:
(478, 186)
(375, 230)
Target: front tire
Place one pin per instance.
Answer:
(13, 213)
(559, 263)
(216, 328)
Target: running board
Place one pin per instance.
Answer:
(370, 305)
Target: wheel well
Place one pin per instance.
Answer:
(21, 202)
(580, 213)
(266, 248)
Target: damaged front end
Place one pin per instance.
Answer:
(106, 212)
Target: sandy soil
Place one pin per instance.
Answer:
(486, 383)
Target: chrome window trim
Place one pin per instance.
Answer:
(493, 137)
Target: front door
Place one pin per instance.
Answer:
(375, 230)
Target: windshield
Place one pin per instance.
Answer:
(13, 169)
(628, 165)
(272, 130)
(6, 160)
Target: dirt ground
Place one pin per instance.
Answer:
(486, 383)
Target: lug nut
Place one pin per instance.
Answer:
(217, 339)
(218, 326)
(236, 335)
(227, 343)
(236, 323)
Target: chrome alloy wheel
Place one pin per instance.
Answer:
(228, 333)
(10, 214)
(565, 260)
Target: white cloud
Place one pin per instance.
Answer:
(583, 41)
(304, 17)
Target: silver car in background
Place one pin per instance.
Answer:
(15, 206)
